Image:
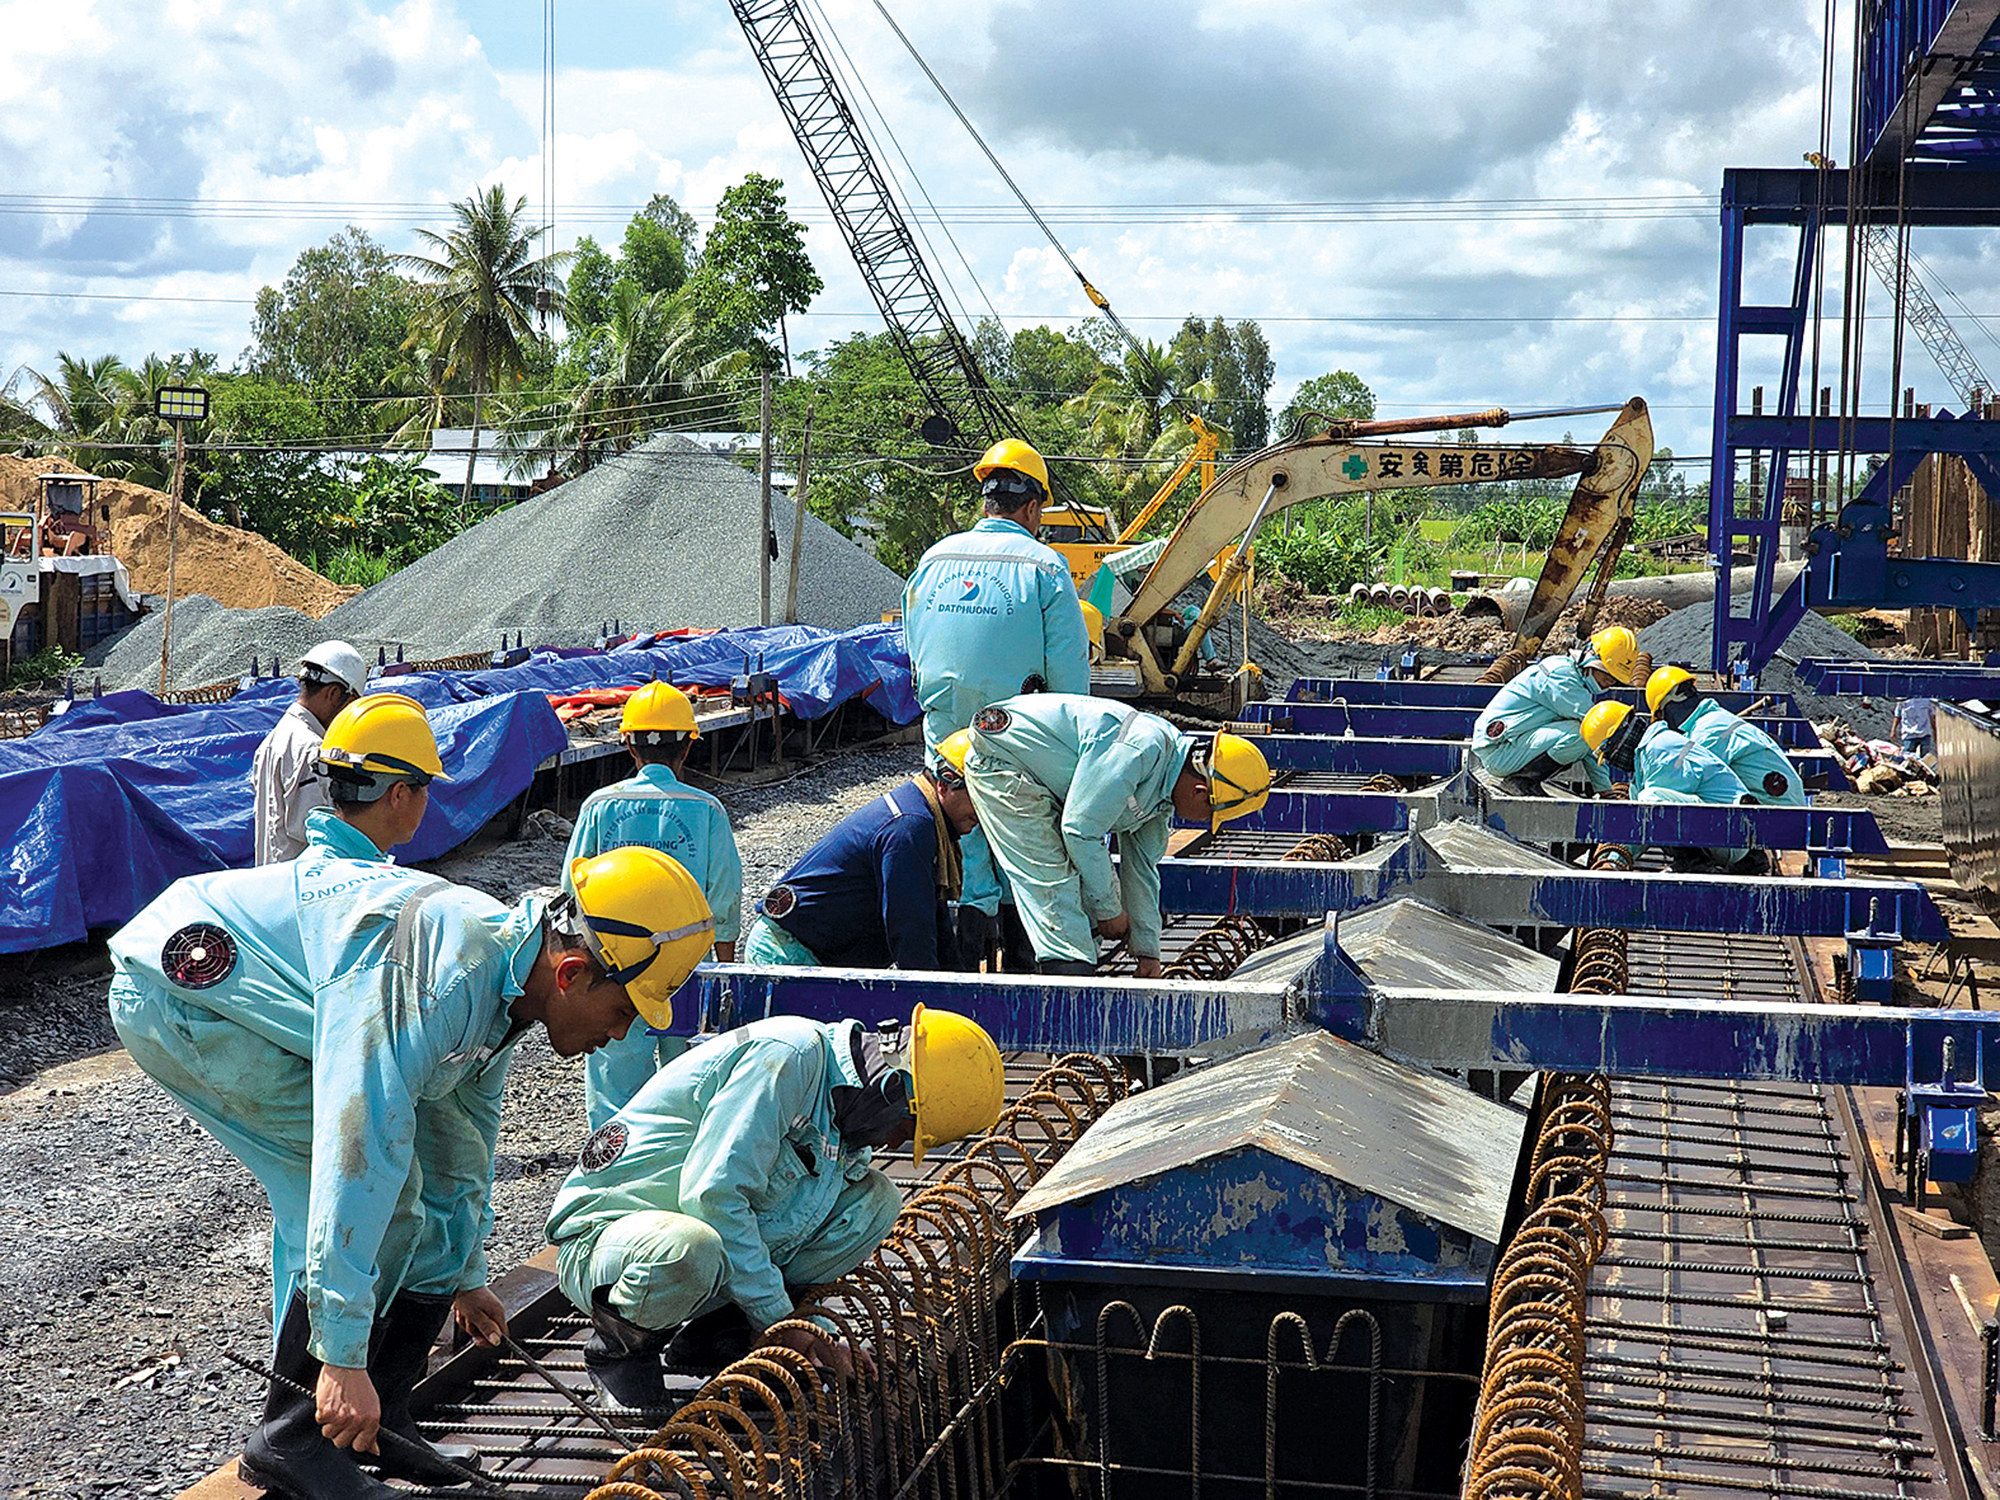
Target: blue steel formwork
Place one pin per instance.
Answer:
(1954, 681)
(1849, 562)
(1930, 81)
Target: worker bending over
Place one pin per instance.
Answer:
(654, 810)
(1053, 775)
(988, 614)
(1529, 729)
(284, 778)
(1757, 760)
(1664, 765)
(740, 1174)
(344, 1026)
(875, 893)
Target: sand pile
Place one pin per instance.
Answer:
(236, 568)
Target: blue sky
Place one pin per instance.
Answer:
(1467, 202)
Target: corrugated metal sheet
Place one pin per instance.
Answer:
(1406, 1136)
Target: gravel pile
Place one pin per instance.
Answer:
(133, 1248)
(211, 643)
(661, 537)
(1686, 635)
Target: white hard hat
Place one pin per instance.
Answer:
(337, 660)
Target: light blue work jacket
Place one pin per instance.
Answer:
(1113, 770)
(1669, 762)
(1757, 759)
(737, 1132)
(398, 986)
(653, 808)
(985, 611)
(1554, 693)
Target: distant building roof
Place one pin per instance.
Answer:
(446, 458)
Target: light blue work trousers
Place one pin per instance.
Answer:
(256, 1099)
(663, 1268)
(1562, 741)
(770, 944)
(1024, 820)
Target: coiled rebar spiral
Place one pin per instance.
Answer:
(1219, 950)
(1508, 664)
(923, 1306)
(1318, 849)
(1382, 781)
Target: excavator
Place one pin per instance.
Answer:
(1153, 647)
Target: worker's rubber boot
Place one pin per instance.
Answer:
(1073, 966)
(623, 1359)
(400, 1358)
(712, 1341)
(1527, 782)
(288, 1455)
(1754, 862)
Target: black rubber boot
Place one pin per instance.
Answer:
(1075, 966)
(1755, 862)
(623, 1359)
(288, 1455)
(401, 1357)
(712, 1341)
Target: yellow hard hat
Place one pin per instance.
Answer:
(954, 748)
(1239, 779)
(1618, 649)
(1663, 681)
(384, 734)
(957, 1083)
(646, 921)
(1093, 625)
(1602, 722)
(659, 708)
(1012, 453)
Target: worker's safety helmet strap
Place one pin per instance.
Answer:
(659, 708)
(1008, 466)
(1601, 723)
(1618, 650)
(1663, 682)
(644, 918)
(957, 1083)
(1239, 779)
(382, 736)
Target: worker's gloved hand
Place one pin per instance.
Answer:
(1148, 968)
(1114, 927)
(349, 1410)
(825, 1351)
(480, 1314)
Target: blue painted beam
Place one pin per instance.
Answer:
(1951, 197)
(1362, 756)
(1374, 720)
(1547, 820)
(1472, 695)
(1580, 898)
(1634, 1036)
(1953, 680)
(1909, 435)
(1329, 812)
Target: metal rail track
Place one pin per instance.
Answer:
(1743, 1334)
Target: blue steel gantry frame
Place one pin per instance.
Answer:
(1847, 563)
(1930, 81)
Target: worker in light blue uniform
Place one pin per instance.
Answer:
(652, 808)
(1053, 776)
(988, 614)
(1666, 766)
(740, 1174)
(1759, 762)
(343, 1026)
(1530, 727)
(875, 892)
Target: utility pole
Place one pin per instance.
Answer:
(764, 538)
(179, 404)
(798, 522)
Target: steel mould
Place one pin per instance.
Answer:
(1954, 681)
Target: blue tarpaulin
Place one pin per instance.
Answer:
(108, 811)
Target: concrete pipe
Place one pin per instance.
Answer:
(1440, 601)
(1506, 604)
(1358, 594)
(1378, 594)
(1398, 595)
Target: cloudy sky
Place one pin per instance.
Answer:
(1467, 202)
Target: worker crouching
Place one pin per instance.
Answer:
(740, 1174)
(1757, 760)
(1531, 727)
(1666, 766)
(1054, 775)
(875, 893)
(344, 1027)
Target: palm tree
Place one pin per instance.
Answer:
(482, 282)
(1129, 409)
(18, 418)
(89, 402)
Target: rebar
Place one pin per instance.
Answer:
(1382, 781)
(1318, 848)
(775, 1424)
(1509, 664)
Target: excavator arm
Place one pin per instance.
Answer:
(1332, 464)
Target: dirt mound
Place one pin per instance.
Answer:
(1316, 617)
(237, 568)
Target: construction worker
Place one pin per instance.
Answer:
(1053, 775)
(875, 892)
(741, 1172)
(343, 1026)
(988, 614)
(1093, 630)
(1759, 762)
(654, 809)
(284, 778)
(1528, 730)
(1664, 765)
